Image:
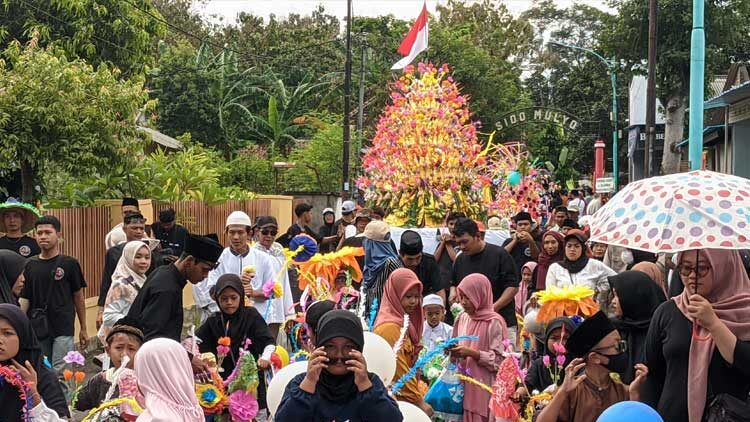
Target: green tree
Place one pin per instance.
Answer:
(726, 24)
(98, 31)
(573, 81)
(318, 161)
(74, 118)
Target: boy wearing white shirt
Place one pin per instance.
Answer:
(435, 330)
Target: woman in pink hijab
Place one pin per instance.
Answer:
(480, 358)
(165, 377)
(698, 343)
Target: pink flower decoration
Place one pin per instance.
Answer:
(560, 360)
(545, 360)
(268, 288)
(559, 348)
(243, 406)
(222, 350)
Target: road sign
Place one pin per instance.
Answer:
(605, 184)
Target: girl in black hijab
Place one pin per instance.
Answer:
(337, 385)
(20, 350)
(239, 323)
(636, 297)
(11, 269)
(538, 377)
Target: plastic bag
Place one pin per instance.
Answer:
(446, 396)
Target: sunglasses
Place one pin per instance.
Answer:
(269, 232)
(621, 347)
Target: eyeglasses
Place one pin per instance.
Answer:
(700, 270)
(621, 347)
(267, 232)
(333, 351)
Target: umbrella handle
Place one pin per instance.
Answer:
(695, 333)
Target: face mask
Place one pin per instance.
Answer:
(617, 363)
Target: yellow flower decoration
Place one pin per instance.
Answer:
(567, 301)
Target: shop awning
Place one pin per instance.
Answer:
(706, 131)
(729, 97)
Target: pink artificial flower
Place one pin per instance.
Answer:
(560, 360)
(559, 348)
(545, 361)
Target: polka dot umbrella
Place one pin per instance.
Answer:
(678, 212)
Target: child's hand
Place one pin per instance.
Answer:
(315, 364)
(463, 352)
(358, 366)
(263, 364)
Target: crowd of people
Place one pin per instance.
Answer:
(649, 339)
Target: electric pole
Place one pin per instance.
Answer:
(648, 148)
(347, 101)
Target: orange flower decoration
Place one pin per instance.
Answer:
(67, 374)
(80, 376)
(225, 341)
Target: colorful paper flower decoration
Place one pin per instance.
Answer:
(568, 301)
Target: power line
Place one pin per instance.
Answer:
(254, 56)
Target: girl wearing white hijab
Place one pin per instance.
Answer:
(127, 280)
(165, 377)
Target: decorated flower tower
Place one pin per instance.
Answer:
(425, 158)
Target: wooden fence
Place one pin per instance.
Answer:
(84, 229)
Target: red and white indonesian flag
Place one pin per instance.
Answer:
(415, 41)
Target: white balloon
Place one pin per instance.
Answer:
(379, 357)
(412, 413)
(275, 390)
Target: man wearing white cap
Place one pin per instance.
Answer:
(347, 218)
(435, 330)
(233, 260)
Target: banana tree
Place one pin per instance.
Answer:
(284, 114)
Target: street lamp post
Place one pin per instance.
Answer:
(612, 69)
(697, 69)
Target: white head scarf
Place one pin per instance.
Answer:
(125, 268)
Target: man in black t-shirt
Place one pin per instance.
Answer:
(15, 220)
(521, 245)
(494, 262)
(171, 235)
(424, 265)
(447, 250)
(54, 282)
(303, 212)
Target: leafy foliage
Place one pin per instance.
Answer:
(192, 174)
(97, 31)
(74, 118)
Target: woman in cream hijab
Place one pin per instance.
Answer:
(127, 281)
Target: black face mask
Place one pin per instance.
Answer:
(617, 363)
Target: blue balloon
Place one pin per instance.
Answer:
(514, 178)
(628, 411)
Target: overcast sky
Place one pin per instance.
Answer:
(404, 9)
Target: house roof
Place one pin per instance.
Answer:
(160, 138)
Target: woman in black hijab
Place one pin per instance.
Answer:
(538, 377)
(19, 343)
(239, 323)
(11, 269)
(636, 297)
(337, 385)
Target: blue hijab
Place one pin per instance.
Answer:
(376, 255)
